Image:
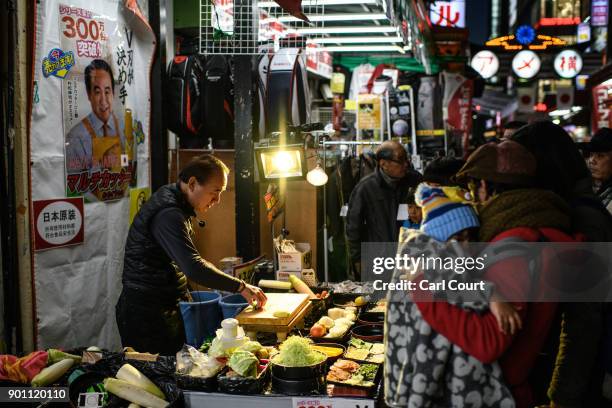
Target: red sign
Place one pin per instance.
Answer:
(58, 223)
(558, 21)
(601, 110)
(459, 107)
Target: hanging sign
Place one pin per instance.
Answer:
(448, 13)
(58, 223)
(568, 64)
(526, 64)
(368, 112)
(318, 62)
(485, 63)
(599, 13)
(583, 33)
(601, 110)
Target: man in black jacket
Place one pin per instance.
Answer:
(600, 164)
(374, 203)
(160, 255)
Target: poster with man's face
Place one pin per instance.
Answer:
(98, 135)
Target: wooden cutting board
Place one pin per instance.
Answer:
(289, 302)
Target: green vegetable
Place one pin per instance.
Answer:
(367, 371)
(274, 284)
(56, 355)
(129, 373)
(296, 352)
(244, 363)
(360, 344)
(252, 346)
(50, 374)
(206, 345)
(133, 393)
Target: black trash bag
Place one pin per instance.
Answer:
(160, 372)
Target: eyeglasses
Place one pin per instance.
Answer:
(403, 160)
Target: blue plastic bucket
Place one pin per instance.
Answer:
(202, 317)
(231, 305)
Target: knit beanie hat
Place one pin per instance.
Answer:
(446, 211)
(507, 163)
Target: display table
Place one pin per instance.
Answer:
(194, 399)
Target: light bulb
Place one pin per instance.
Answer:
(283, 161)
(317, 176)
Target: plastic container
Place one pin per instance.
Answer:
(202, 317)
(232, 305)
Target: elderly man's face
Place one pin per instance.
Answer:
(398, 166)
(101, 94)
(600, 164)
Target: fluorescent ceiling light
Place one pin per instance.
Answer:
(559, 112)
(356, 40)
(347, 30)
(362, 48)
(336, 17)
(313, 3)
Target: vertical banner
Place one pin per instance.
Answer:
(601, 109)
(458, 92)
(89, 147)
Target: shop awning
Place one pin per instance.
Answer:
(492, 102)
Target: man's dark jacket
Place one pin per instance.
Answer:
(372, 212)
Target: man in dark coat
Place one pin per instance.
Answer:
(160, 255)
(374, 203)
(600, 164)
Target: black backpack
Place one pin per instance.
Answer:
(184, 93)
(218, 102)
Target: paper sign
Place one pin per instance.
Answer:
(344, 210)
(310, 402)
(58, 223)
(138, 196)
(402, 212)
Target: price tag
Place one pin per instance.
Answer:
(310, 402)
(344, 210)
(402, 212)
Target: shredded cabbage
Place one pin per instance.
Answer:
(296, 352)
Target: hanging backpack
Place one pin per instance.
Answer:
(218, 91)
(184, 95)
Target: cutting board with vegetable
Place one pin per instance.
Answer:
(280, 310)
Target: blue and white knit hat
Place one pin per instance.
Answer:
(446, 211)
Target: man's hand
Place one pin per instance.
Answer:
(254, 294)
(506, 314)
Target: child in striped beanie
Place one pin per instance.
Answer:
(447, 212)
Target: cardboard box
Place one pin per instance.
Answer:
(284, 275)
(295, 261)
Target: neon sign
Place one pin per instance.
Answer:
(541, 42)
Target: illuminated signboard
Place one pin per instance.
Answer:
(568, 63)
(525, 38)
(448, 13)
(599, 13)
(485, 63)
(558, 21)
(526, 64)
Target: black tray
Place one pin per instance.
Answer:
(376, 380)
(187, 382)
(242, 385)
